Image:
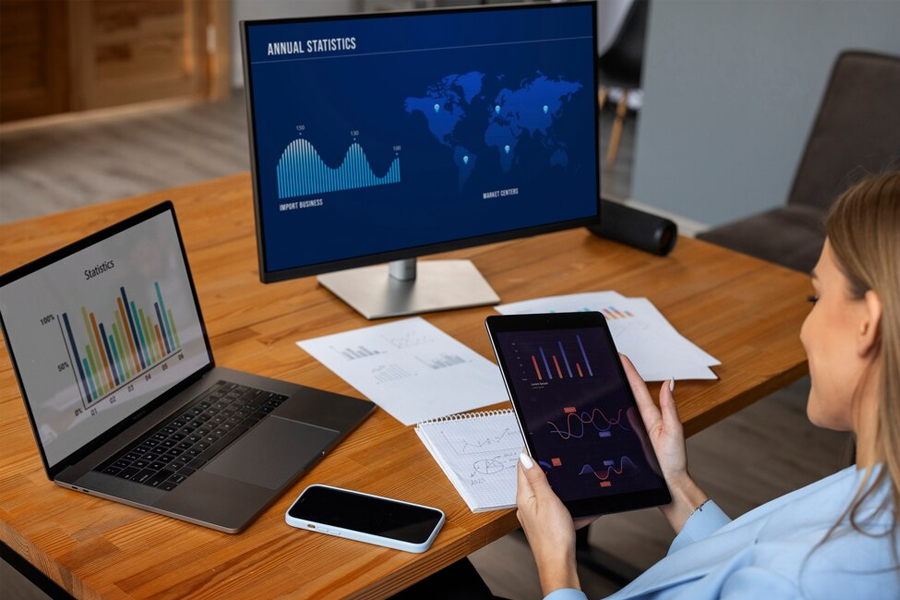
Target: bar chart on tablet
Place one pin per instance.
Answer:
(558, 358)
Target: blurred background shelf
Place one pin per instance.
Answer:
(65, 56)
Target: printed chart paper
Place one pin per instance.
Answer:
(639, 330)
(411, 369)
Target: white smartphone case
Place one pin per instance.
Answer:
(359, 536)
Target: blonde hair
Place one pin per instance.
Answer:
(863, 227)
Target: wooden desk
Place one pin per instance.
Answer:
(745, 312)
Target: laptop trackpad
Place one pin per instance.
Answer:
(272, 453)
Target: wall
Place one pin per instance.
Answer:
(731, 89)
(276, 9)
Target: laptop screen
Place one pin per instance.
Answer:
(103, 331)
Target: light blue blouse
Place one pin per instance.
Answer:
(771, 552)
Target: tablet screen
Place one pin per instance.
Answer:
(577, 412)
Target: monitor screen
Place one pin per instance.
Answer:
(388, 136)
(101, 332)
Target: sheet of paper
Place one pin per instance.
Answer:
(589, 301)
(639, 331)
(649, 311)
(411, 369)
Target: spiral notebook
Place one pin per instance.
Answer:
(478, 452)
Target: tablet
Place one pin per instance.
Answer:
(576, 411)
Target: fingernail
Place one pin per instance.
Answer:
(526, 461)
(672, 385)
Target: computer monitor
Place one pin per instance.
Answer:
(382, 137)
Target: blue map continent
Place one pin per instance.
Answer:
(531, 109)
(443, 108)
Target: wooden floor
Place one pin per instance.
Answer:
(748, 459)
(58, 167)
(15, 587)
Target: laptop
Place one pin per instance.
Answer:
(125, 400)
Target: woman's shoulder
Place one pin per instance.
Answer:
(823, 502)
(786, 549)
(815, 541)
(825, 563)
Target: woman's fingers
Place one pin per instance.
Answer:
(534, 476)
(638, 387)
(668, 408)
(524, 492)
(649, 412)
(547, 525)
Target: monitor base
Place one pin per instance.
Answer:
(438, 285)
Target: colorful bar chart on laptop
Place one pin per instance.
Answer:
(105, 330)
(108, 350)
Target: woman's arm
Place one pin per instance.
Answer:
(548, 527)
(547, 522)
(667, 438)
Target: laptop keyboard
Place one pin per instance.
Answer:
(172, 452)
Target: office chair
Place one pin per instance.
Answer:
(856, 131)
(620, 67)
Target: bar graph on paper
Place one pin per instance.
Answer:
(353, 353)
(610, 313)
(111, 349)
(444, 360)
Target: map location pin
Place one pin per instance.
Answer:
(506, 147)
(437, 108)
(497, 109)
(546, 108)
(466, 159)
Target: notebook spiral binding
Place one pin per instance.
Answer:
(466, 416)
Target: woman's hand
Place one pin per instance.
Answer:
(667, 438)
(548, 527)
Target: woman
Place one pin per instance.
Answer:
(837, 538)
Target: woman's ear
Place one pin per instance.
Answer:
(869, 334)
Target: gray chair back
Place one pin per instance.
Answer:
(857, 129)
(622, 63)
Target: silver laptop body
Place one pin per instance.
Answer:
(114, 364)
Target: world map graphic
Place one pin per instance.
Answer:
(511, 116)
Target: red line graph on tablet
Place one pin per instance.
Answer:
(608, 468)
(599, 421)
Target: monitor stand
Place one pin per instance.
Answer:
(397, 288)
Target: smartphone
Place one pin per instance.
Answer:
(366, 518)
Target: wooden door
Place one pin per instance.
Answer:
(34, 56)
(73, 55)
(133, 50)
